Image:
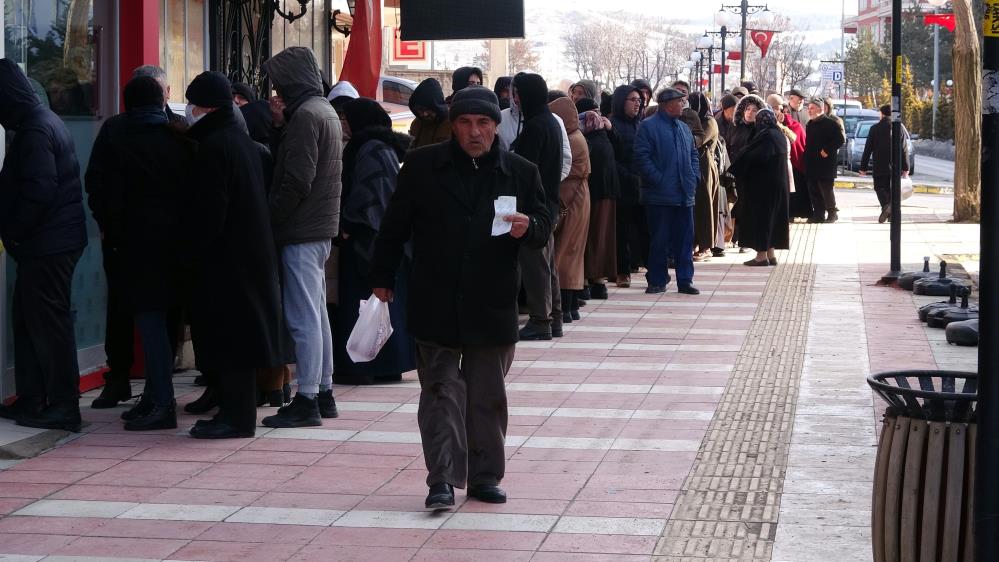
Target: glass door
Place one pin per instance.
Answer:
(67, 49)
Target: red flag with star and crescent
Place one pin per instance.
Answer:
(762, 39)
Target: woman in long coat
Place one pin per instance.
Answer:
(705, 201)
(574, 222)
(370, 168)
(600, 261)
(761, 170)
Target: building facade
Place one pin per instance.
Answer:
(79, 54)
(874, 17)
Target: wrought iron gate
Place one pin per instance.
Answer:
(240, 37)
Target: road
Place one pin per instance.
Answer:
(933, 169)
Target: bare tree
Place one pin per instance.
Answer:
(787, 60)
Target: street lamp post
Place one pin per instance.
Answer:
(936, 68)
(695, 57)
(722, 20)
(708, 44)
(744, 9)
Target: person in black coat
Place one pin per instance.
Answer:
(463, 284)
(632, 229)
(136, 179)
(600, 262)
(761, 170)
(236, 318)
(540, 142)
(879, 146)
(256, 112)
(823, 136)
(462, 78)
(43, 226)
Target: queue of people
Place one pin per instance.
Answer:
(262, 224)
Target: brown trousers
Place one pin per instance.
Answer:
(463, 412)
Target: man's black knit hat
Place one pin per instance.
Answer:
(475, 100)
(210, 89)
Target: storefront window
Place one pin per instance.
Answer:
(182, 42)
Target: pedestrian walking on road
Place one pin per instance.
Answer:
(42, 225)
(600, 262)
(666, 158)
(632, 228)
(762, 173)
(824, 137)
(878, 146)
(370, 169)
(235, 303)
(431, 124)
(305, 214)
(464, 283)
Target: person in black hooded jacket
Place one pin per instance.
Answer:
(540, 142)
(431, 125)
(632, 228)
(370, 170)
(42, 224)
(502, 89)
(462, 78)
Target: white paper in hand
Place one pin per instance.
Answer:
(504, 205)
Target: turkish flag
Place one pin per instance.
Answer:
(762, 39)
(944, 20)
(718, 69)
(734, 55)
(362, 66)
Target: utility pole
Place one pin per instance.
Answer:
(896, 144)
(743, 9)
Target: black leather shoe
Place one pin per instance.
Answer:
(441, 496)
(833, 216)
(688, 290)
(532, 333)
(302, 412)
(216, 429)
(21, 407)
(566, 317)
(141, 408)
(116, 389)
(557, 332)
(575, 315)
(598, 292)
(204, 403)
(488, 494)
(160, 417)
(327, 405)
(55, 416)
(754, 263)
(655, 289)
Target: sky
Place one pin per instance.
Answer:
(674, 8)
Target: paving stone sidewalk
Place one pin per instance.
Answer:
(731, 426)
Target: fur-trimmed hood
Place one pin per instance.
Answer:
(746, 101)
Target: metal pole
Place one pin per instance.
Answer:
(987, 451)
(896, 143)
(724, 32)
(936, 79)
(742, 55)
(711, 70)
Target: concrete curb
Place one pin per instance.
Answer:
(916, 188)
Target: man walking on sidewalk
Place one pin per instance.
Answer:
(666, 157)
(305, 214)
(463, 287)
(878, 146)
(43, 227)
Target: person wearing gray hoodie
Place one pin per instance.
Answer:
(304, 205)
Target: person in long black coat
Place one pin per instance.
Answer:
(627, 107)
(761, 171)
(824, 138)
(600, 262)
(370, 169)
(236, 314)
(137, 178)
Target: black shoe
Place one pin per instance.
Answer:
(833, 216)
(327, 405)
(441, 496)
(116, 389)
(558, 332)
(141, 408)
(533, 333)
(772, 261)
(160, 417)
(488, 494)
(885, 214)
(598, 292)
(754, 263)
(655, 289)
(21, 407)
(56, 416)
(217, 429)
(566, 317)
(200, 380)
(816, 220)
(586, 294)
(206, 402)
(272, 398)
(574, 314)
(688, 290)
(718, 252)
(302, 412)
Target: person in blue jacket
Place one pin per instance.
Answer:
(666, 159)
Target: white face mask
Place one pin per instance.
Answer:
(189, 113)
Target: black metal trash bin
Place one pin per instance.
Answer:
(924, 475)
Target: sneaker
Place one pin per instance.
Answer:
(326, 403)
(302, 412)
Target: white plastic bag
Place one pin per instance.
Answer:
(373, 329)
(906, 188)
